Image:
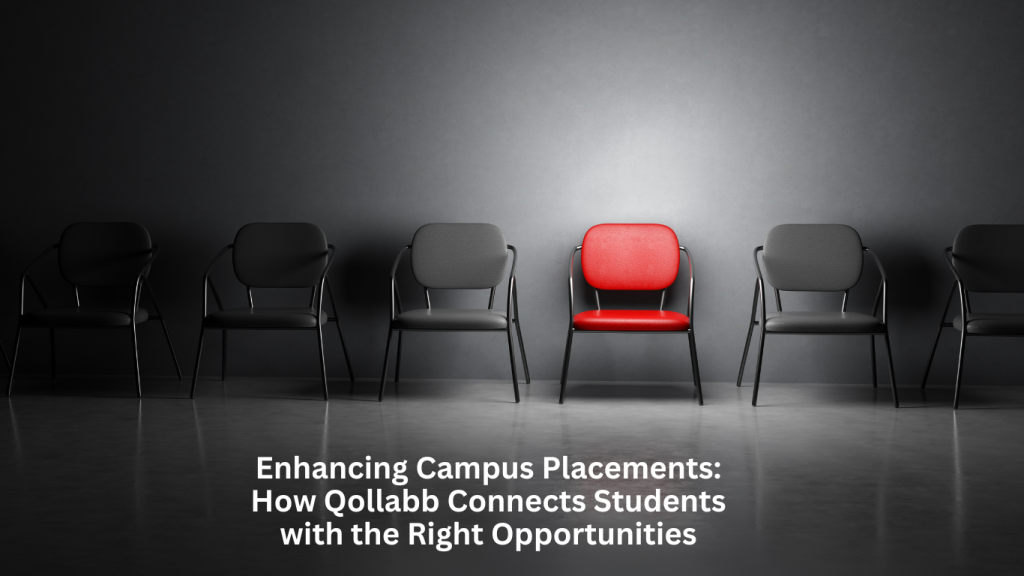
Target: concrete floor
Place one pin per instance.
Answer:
(820, 479)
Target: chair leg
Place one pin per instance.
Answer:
(398, 358)
(7, 359)
(757, 370)
(522, 350)
(512, 360)
(163, 325)
(323, 365)
(519, 331)
(750, 334)
(14, 360)
(337, 322)
(170, 346)
(384, 372)
(696, 368)
(135, 349)
(565, 366)
(959, 365)
(931, 357)
(938, 333)
(874, 364)
(344, 351)
(224, 354)
(892, 371)
(199, 355)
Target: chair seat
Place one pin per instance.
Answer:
(450, 319)
(823, 322)
(993, 324)
(83, 317)
(631, 320)
(265, 318)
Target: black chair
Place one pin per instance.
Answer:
(983, 258)
(104, 255)
(816, 258)
(457, 256)
(274, 255)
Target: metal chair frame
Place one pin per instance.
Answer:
(141, 280)
(316, 302)
(511, 305)
(880, 298)
(689, 331)
(965, 310)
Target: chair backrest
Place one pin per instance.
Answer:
(280, 254)
(630, 256)
(813, 257)
(990, 257)
(103, 253)
(459, 255)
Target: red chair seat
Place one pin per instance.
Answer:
(631, 320)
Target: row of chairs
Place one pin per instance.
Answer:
(638, 258)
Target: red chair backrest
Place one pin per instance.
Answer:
(630, 256)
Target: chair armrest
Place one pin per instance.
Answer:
(948, 254)
(883, 288)
(396, 297)
(208, 285)
(757, 265)
(965, 303)
(572, 301)
(689, 297)
(318, 290)
(24, 276)
(761, 283)
(147, 265)
(760, 287)
(330, 260)
(511, 281)
(143, 274)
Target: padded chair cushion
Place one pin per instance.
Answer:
(813, 257)
(631, 320)
(265, 318)
(103, 253)
(630, 256)
(83, 317)
(990, 257)
(823, 322)
(459, 255)
(993, 324)
(280, 254)
(450, 319)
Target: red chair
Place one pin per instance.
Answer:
(631, 257)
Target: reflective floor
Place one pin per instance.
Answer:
(819, 479)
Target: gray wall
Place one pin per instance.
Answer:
(717, 118)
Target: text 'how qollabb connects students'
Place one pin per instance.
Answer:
(623, 488)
